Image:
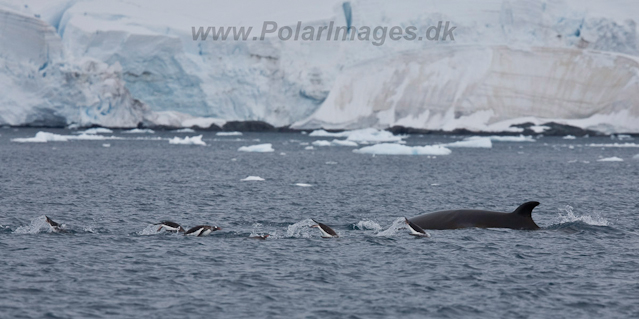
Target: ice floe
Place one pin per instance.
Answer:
(610, 159)
(309, 148)
(496, 138)
(252, 178)
(399, 149)
(259, 148)
(335, 143)
(322, 143)
(192, 140)
(184, 130)
(43, 137)
(370, 135)
(139, 131)
(96, 130)
(613, 145)
(228, 134)
(481, 142)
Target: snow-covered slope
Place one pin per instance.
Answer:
(122, 62)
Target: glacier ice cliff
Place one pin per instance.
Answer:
(121, 63)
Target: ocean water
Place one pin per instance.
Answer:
(111, 262)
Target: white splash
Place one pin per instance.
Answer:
(399, 223)
(301, 229)
(38, 225)
(567, 215)
(368, 225)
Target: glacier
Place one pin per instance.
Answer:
(129, 63)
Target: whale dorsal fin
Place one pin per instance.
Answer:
(526, 209)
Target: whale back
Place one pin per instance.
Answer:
(520, 218)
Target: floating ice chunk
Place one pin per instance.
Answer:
(228, 134)
(42, 137)
(621, 137)
(92, 137)
(139, 131)
(398, 149)
(343, 143)
(322, 143)
(309, 148)
(569, 137)
(362, 135)
(106, 145)
(96, 130)
(192, 140)
(610, 159)
(481, 142)
(495, 138)
(322, 133)
(373, 135)
(303, 185)
(252, 178)
(259, 148)
(614, 145)
(331, 163)
(184, 130)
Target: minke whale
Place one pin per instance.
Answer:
(520, 218)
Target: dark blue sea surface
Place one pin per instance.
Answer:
(111, 262)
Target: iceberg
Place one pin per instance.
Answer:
(399, 149)
(569, 137)
(610, 159)
(259, 148)
(193, 140)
